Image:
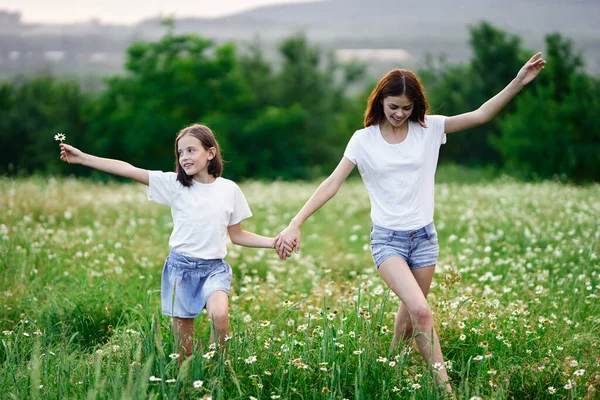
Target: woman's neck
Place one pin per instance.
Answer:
(395, 131)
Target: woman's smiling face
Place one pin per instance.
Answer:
(397, 109)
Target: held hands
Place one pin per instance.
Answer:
(287, 240)
(71, 154)
(286, 249)
(531, 69)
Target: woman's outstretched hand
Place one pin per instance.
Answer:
(71, 154)
(290, 235)
(531, 69)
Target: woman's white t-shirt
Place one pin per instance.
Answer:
(399, 177)
(201, 212)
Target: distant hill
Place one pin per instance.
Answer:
(415, 28)
(372, 17)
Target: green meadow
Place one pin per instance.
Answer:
(515, 297)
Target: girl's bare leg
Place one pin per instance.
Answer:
(183, 329)
(218, 314)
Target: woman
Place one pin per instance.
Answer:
(396, 154)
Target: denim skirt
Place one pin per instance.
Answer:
(187, 282)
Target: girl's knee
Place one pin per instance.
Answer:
(220, 318)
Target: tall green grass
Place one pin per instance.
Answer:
(515, 297)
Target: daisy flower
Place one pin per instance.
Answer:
(59, 137)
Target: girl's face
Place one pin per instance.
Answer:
(193, 157)
(397, 109)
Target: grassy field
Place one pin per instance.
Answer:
(515, 297)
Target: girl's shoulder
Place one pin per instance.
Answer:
(225, 183)
(163, 175)
(162, 178)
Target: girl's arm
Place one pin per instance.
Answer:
(493, 106)
(328, 188)
(75, 156)
(248, 239)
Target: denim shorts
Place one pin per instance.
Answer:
(419, 248)
(187, 282)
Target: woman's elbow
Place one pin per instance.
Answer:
(482, 117)
(486, 119)
(331, 187)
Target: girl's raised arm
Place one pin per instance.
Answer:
(493, 106)
(75, 156)
(326, 190)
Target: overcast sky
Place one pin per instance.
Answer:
(126, 11)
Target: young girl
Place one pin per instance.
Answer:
(205, 207)
(396, 154)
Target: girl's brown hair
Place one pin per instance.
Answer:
(208, 140)
(397, 82)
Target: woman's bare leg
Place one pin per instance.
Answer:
(395, 272)
(403, 328)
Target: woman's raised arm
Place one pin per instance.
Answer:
(490, 108)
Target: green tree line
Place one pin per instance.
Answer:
(292, 119)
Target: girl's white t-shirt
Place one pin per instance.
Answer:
(201, 212)
(399, 177)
